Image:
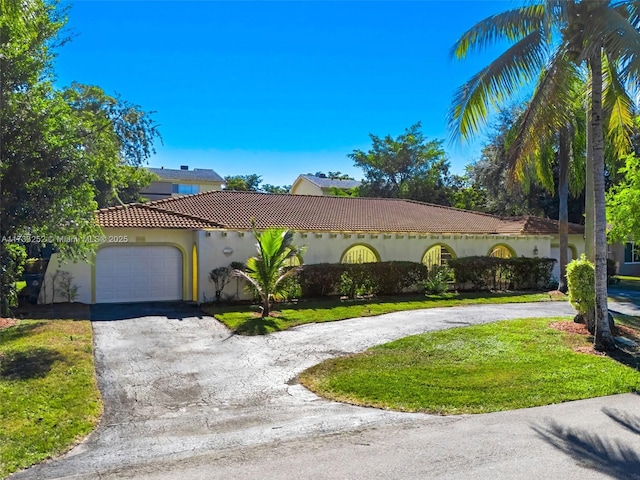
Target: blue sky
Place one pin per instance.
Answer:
(277, 88)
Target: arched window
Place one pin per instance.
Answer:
(359, 254)
(437, 255)
(501, 251)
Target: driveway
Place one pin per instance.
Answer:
(185, 399)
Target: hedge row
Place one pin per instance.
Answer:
(491, 273)
(381, 278)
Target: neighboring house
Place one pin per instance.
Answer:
(173, 182)
(627, 258)
(312, 185)
(164, 250)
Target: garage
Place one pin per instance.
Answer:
(138, 274)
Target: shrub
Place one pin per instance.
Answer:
(68, 289)
(220, 277)
(492, 273)
(581, 282)
(438, 278)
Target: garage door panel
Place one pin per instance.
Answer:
(138, 274)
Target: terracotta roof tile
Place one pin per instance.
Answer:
(234, 210)
(147, 216)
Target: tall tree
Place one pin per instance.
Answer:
(408, 166)
(573, 33)
(59, 148)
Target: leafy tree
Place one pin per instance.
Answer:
(332, 175)
(268, 270)
(268, 188)
(243, 183)
(555, 37)
(408, 166)
(60, 150)
(623, 203)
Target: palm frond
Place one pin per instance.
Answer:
(619, 109)
(516, 67)
(549, 109)
(512, 25)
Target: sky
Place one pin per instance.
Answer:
(275, 88)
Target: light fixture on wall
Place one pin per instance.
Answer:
(227, 251)
(535, 251)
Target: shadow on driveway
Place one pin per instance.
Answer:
(124, 311)
(610, 456)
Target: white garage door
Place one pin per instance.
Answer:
(138, 274)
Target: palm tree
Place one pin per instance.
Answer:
(271, 266)
(557, 36)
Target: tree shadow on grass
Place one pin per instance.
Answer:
(18, 331)
(257, 326)
(34, 363)
(609, 456)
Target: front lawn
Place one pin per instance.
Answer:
(485, 368)
(245, 320)
(48, 393)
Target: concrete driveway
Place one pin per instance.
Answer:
(185, 399)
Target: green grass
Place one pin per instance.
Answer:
(627, 282)
(499, 366)
(245, 320)
(20, 285)
(48, 393)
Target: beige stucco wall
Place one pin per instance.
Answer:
(302, 186)
(329, 248)
(84, 272)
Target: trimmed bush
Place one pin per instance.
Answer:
(493, 273)
(382, 278)
(581, 281)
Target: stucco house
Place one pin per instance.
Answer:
(627, 258)
(176, 182)
(164, 250)
(314, 185)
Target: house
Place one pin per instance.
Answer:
(314, 185)
(626, 257)
(174, 182)
(164, 250)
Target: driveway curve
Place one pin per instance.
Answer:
(180, 388)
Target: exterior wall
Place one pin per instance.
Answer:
(304, 187)
(84, 272)
(163, 189)
(576, 248)
(329, 248)
(616, 253)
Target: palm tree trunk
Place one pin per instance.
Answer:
(563, 197)
(603, 338)
(589, 201)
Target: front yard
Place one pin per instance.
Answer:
(245, 319)
(485, 368)
(48, 394)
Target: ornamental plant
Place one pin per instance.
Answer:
(581, 282)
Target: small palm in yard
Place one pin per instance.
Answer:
(267, 271)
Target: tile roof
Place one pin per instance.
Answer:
(234, 210)
(198, 174)
(147, 216)
(331, 182)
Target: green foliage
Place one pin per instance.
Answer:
(491, 273)
(438, 279)
(64, 151)
(243, 183)
(13, 260)
(268, 270)
(406, 167)
(66, 287)
(380, 278)
(581, 281)
(623, 203)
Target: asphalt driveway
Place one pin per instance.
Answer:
(185, 399)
